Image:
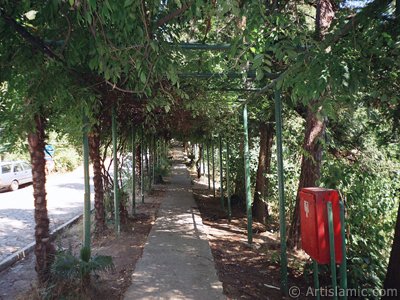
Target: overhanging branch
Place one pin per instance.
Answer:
(39, 44)
(34, 41)
(371, 10)
(174, 14)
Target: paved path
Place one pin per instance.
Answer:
(64, 201)
(177, 261)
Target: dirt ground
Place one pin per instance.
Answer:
(19, 281)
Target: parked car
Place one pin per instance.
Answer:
(14, 173)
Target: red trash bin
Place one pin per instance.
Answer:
(314, 223)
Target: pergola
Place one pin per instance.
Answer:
(255, 93)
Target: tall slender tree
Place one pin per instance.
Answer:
(94, 152)
(44, 249)
(314, 128)
(260, 205)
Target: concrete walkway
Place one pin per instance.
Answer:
(177, 261)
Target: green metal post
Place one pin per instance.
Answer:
(147, 162)
(86, 206)
(150, 162)
(213, 166)
(343, 265)
(208, 164)
(202, 159)
(159, 154)
(282, 213)
(153, 160)
(162, 150)
(148, 155)
(247, 177)
(332, 249)
(221, 174)
(228, 191)
(116, 196)
(316, 280)
(133, 170)
(142, 165)
(157, 161)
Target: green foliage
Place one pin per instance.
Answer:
(68, 267)
(371, 202)
(366, 173)
(71, 274)
(67, 160)
(164, 167)
(126, 52)
(66, 157)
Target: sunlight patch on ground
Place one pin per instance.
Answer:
(179, 167)
(8, 249)
(6, 223)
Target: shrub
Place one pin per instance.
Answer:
(371, 191)
(67, 160)
(68, 267)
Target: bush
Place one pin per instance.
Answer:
(67, 160)
(77, 270)
(371, 194)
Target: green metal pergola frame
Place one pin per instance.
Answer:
(206, 75)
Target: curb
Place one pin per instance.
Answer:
(13, 258)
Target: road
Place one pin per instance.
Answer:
(64, 201)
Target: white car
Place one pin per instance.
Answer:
(14, 173)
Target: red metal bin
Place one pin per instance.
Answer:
(314, 223)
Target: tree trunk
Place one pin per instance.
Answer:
(94, 152)
(185, 148)
(315, 128)
(324, 17)
(146, 161)
(310, 167)
(44, 249)
(138, 163)
(392, 280)
(260, 206)
(239, 196)
(198, 162)
(123, 212)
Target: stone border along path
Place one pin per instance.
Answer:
(177, 262)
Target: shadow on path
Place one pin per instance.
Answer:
(177, 261)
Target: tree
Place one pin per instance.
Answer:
(74, 50)
(45, 100)
(44, 249)
(260, 205)
(94, 150)
(314, 129)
